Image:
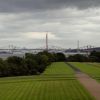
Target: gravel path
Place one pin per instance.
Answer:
(90, 84)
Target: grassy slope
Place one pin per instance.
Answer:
(91, 70)
(48, 86)
(95, 64)
(59, 69)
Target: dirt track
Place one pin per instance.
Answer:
(90, 84)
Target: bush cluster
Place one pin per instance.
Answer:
(31, 64)
(93, 57)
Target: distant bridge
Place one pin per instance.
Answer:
(84, 49)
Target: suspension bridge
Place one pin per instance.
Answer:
(12, 50)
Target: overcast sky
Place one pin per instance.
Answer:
(24, 23)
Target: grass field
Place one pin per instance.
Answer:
(95, 64)
(59, 69)
(53, 84)
(88, 68)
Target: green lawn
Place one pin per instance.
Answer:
(91, 70)
(59, 69)
(53, 84)
(95, 64)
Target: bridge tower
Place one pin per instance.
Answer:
(46, 41)
(78, 46)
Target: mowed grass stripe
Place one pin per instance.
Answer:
(8, 91)
(54, 85)
(19, 92)
(95, 64)
(53, 90)
(59, 68)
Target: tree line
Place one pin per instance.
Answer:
(31, 64)
(94, 56)
(35, 64)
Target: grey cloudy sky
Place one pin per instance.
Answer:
(24, 23)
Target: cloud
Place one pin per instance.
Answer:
(25, 22)
(40, 35)
(41, 5)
